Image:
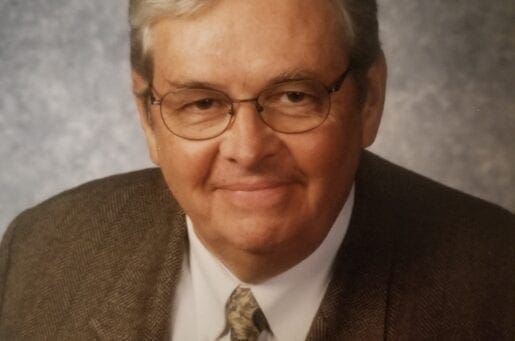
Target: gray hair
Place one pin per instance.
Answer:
(359, 19)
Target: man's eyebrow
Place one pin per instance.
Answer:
(292, 75)
(193, 84)
(289, 75)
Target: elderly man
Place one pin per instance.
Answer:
(266, 219)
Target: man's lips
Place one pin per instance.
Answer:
(251, 186)
(256, 194)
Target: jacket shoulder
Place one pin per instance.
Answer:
(453, 260)
(97, 196)
(63, 254)
(436, 218)
(416, 197)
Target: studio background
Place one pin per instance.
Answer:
(67, 116)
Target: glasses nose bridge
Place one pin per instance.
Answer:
(257, 105)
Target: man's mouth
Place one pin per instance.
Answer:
(256, 194)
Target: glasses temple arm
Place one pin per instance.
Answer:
(338, 82)
(152, 98)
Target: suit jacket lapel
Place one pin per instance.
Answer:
(138, 305)
(355, 304)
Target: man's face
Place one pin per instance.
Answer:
(252, 189)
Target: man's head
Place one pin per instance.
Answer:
(260, 199)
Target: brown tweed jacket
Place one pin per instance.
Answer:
(420, 261)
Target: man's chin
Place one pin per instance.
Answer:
(259, 234)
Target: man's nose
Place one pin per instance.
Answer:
(248, 141)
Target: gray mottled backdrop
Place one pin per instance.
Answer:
(67, 115)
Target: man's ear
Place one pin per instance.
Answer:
(138, 87)
(372, 107)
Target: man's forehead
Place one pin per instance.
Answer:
(233, 38)
(263, 22)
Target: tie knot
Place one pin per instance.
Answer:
(244, 317)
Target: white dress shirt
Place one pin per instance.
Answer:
(289, 300)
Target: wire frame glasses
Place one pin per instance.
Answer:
(289, 107)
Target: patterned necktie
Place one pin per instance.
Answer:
(244, 317)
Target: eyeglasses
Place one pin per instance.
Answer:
(289, 107)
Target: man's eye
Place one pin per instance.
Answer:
(295, 96)
(203, 104)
